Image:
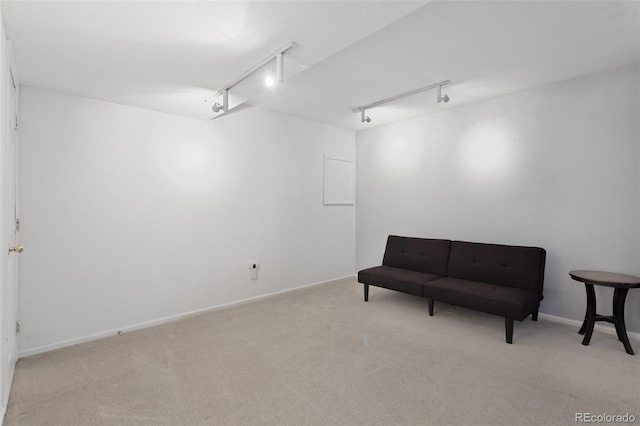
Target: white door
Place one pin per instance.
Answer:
(10, 252)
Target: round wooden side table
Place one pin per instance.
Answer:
(621, 284)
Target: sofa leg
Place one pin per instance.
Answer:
(534, 316)
(431, 307)
(508, 327)
(366, 292)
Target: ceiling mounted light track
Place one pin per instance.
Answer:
(278, 56)
(440, 98)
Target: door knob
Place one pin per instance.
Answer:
(16, 249)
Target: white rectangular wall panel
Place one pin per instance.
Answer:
(338, 182)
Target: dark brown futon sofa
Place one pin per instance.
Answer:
(497, 279)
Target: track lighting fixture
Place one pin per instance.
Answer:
(278, 56)
(225, 103)
(440, 98)
(279, 66)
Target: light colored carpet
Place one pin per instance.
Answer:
(322, 356)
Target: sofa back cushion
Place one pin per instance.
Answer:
(509, 266)
(417, 254)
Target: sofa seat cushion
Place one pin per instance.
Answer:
(508, 302)
(397, 279)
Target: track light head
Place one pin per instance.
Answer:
(441, 98)
(224, 106)
(364, 118)
(367, 119)
(217, 107)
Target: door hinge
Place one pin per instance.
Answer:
(17, 327)
(16, 121)
(17, 224)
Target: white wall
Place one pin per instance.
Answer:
(557, 166)
(130, 216)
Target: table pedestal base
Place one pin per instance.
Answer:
(617, 319)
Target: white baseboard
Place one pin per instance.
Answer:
(577, 324)
(147, 324)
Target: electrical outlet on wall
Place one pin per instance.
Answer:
(253, 269)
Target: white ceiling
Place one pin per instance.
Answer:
(170, 56)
